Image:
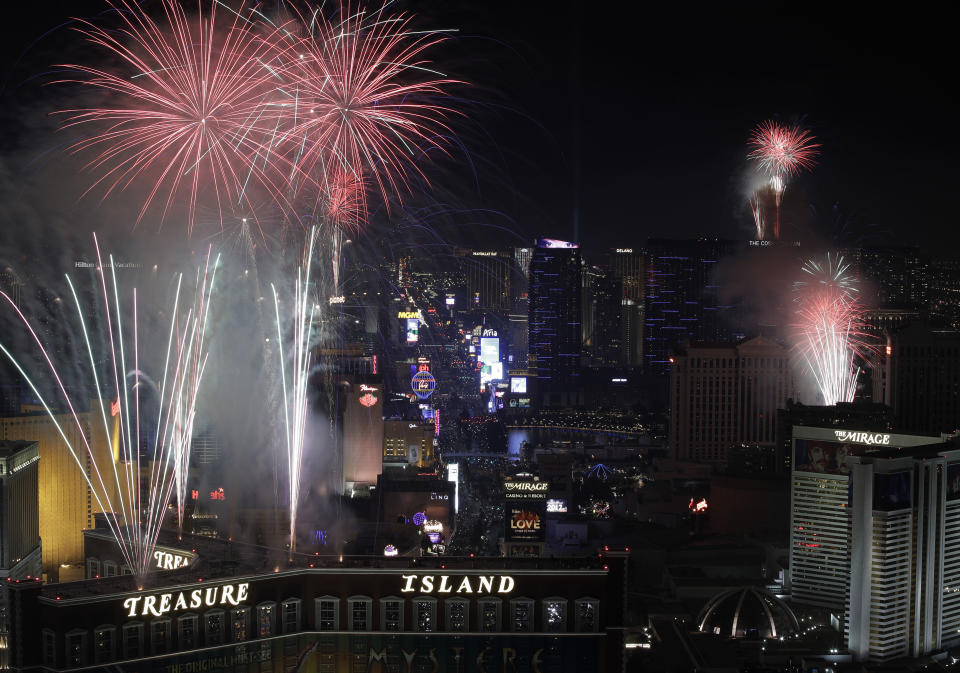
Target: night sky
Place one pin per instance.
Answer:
(628, 121)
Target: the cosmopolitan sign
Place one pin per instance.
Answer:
(447, 584)
(161, 604)
(870, 438)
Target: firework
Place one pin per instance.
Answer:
(191, 360)
(295, 384)
(780, 152)
(830, 330)
(130, 490)
(833, 276)
(182, 102)
(757, 216)
(362, 98)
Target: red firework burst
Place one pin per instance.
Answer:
(343, 198)
(783, 150)
(362, 97)
(182, 102)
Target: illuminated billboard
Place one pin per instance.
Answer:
(489, 350)
(555, 505)
(413, 330)
(450, 300)
(555, 243)
(524, 522)
(518, 384)
(811, 455)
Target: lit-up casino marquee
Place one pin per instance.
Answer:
(825, 450)
(452, 615)
(525, 511)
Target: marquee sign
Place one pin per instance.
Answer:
(169, 561)
(443, 584)
(870, 438)
(525, 490)
(161, 604)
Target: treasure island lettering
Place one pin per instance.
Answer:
(442, 584)
(160, 604)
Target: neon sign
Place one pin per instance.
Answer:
(481, 584)
(368, 399)
(698, 506)
(862, 437)
(160, 604)
(168, 561)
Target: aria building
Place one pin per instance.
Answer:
(681, 298)
(555, 339)
(873, 521)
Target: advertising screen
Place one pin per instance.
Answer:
(450, 300)
(413, 330)
(556, 505)
(525, 522)
(518, 384)
(489, 350)
(812, 455)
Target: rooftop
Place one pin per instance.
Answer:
(9, 447)
(222, 559)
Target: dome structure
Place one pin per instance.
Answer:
(747, 612)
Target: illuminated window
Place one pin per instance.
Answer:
(488, 610)
(240, 624)
(521, 615)
(213, 627)
(327, 613)
(132, 638)
(425, 614)
(391, 613)
(290, 615)
(76, 647)
(187, 627)
(266, 619)
(555, 615)
(104, 644)
(458, 615)
(358, 609)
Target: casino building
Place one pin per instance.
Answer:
(874, 517)
(226, 607)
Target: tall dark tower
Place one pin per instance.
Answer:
(555, 338)
(681, 298)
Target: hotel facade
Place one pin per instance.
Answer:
(354, 614)
(874, 520)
